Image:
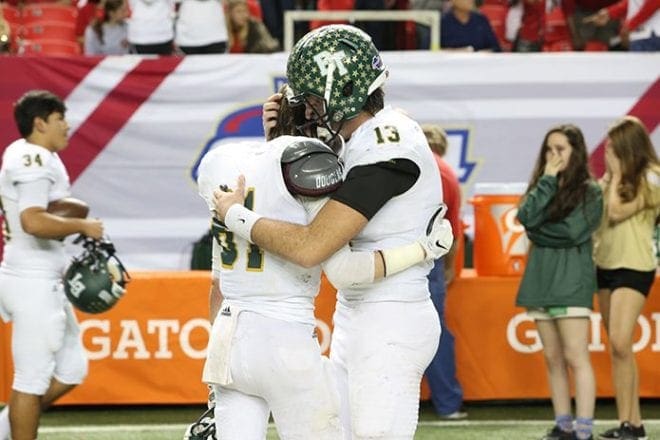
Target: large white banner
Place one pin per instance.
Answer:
(140, 126)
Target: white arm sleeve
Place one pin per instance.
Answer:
(34, 193)
(348, 268)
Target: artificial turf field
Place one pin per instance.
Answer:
(487, 420)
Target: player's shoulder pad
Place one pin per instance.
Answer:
(311, 168)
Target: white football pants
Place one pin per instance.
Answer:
(380, 352)
(277, 367)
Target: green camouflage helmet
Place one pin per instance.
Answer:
(339, 64)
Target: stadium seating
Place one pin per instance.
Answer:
(496, 14)
(51, 30)
(557, 35)
(49, 12)
(11, 14)
(49, 47)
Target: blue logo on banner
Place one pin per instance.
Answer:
(243, 123)
(458, 153)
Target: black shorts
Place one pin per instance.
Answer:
(612, 279)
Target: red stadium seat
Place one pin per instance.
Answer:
(51, 30)
(49, 12)
(558, 46)
(496, 15)
(595, 46)
(557, 36)
(556, 28)
(331, 5)
(496, 2)
(11, 14)
(49, 47)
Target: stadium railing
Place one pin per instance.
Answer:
(425, 17)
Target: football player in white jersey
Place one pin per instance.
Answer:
(262, 353)
(385, 333)
(48, 356)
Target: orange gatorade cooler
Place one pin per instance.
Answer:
(500, 242)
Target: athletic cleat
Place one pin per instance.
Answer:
(624, 432)
(556, 433)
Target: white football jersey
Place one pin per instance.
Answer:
(393, 135)
(25, 254)
(250, 277)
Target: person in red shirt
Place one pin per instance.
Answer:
(446, 391)
(586, 35)
(641, 25)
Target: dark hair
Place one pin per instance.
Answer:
(108, 7)
(375, 102)
(632, 145)
(289, 117)
(35, 104)
(573, 181)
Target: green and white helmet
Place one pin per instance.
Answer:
(339, 64)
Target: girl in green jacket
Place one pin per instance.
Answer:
(560, 210)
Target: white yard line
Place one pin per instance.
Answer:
(182, 427)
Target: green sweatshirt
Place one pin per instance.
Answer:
(560, 271)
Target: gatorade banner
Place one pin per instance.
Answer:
(151, 347)
(139, 126)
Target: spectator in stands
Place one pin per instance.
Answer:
(88, 11)
(446, 391)
(641, 28)
(247, 35)
(625, 258)
(422, 32)
(532, 24)
(561, 209)
(386, 35)
(584, 34)
(151, 26)
(5, 34)
(273, 14)
(201, 27)
(109, 35)
(465, 29)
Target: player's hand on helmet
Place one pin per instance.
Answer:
(224, 198)
(438, 238)
(92, 228)
(270, 112)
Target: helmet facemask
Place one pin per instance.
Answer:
(293, 110)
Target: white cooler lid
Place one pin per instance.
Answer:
(510, 188)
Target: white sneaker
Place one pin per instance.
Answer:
(456, 415)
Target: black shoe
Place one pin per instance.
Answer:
(624, 432)
(557, 434)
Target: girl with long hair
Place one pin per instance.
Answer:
(560, 210)
(108, 35)
(625, 258)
